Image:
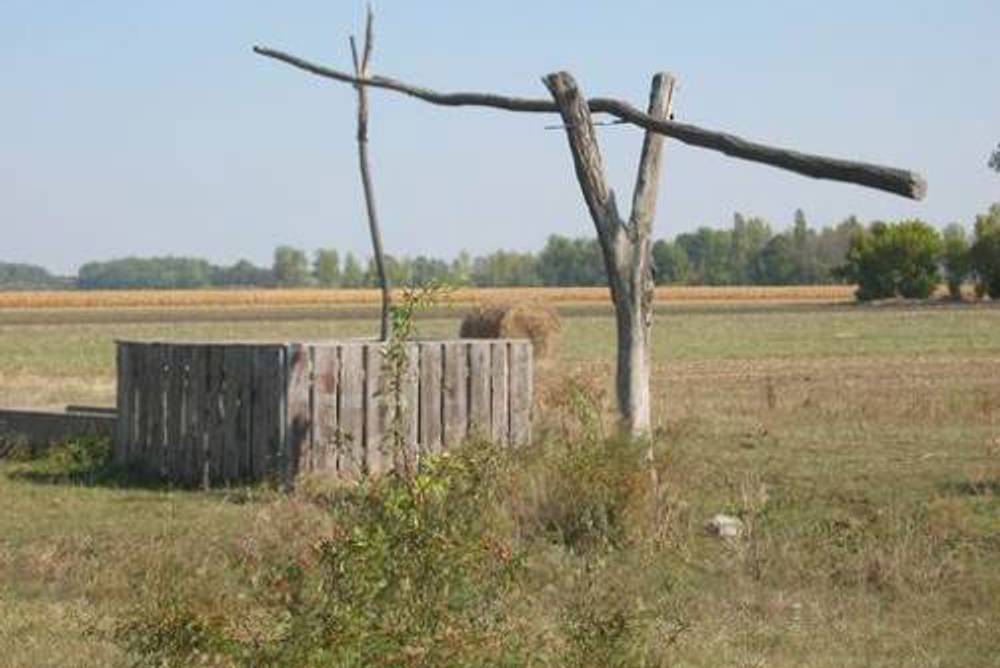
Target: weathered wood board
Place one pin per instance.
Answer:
(228, 413)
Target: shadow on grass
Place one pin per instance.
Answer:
(989, 487)
(84, 462)
(87, 462)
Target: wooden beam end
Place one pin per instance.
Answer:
(918, 186)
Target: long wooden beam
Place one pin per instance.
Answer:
(890, 179)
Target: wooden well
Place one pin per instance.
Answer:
(218, 413)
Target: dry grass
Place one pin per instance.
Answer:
(861, 447)
(534, 321)
(299, 298)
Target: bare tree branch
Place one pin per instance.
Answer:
(361, 73)
(587, 158)
(890, 179)
(647, 182)
(369, 40)
(354, 57)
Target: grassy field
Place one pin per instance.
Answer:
(860, 446)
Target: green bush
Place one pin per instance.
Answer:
(415, 574)
(890, 260)
(484, 557)
(591, 503)
(956, 259)
(985, 253)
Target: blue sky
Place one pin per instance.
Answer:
(146, 127)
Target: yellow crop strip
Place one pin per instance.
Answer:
(314, 297)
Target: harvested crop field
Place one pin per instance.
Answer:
(860, 447)
(299, 298)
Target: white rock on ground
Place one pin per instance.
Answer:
(725, 526)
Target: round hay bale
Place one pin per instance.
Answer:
(536, 322)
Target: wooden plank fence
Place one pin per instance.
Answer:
(220, 413)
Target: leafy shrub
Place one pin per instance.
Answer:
(84, 460)
(956, 259)
(985, 252)
(416, 573)
(584, 498)
(890, 260)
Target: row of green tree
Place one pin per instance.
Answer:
(20, 276)
(911, 259)
(749, 252)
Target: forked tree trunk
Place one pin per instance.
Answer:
(626, 246)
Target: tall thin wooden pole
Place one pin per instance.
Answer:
(361, 72)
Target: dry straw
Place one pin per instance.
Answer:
(316, 297)
(534, 321)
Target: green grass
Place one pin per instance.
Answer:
(861, 447)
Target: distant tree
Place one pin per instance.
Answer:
(461, 269)
(777, 263)
(747, 240)
(671, 263)
(895, 260)
(20, 276)
(708, 252)
(994, 162)
(505, 269)
(985, 252)
(426, 270)
(353, 276)
(145, 273)
(955, 258)
(831, 246)
(242, 273)
(291, 267)
(397, 271)
(326, 267)
(571, 262)
(804, 249)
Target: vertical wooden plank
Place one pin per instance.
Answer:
(246, 413)
(279, 454)
(123, 394)
(430, 397)
(455, 393)
(411, 400)
(401, 434)
(499, 396)
(351, 436)
(298, 433)
(230, 396)
(195, 431)
(266, 397)
(377, 410)
(178, 358)
(140, 444)
(215, 409)
(326, 380)
(236, 370)
(135, 401)
(520, 392)
(479, 388)
(157, 375)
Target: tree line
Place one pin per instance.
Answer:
(911, 259)
(20, 276)
(748, 252)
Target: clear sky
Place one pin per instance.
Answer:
(142, 127)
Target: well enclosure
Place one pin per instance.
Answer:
(218, 413)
